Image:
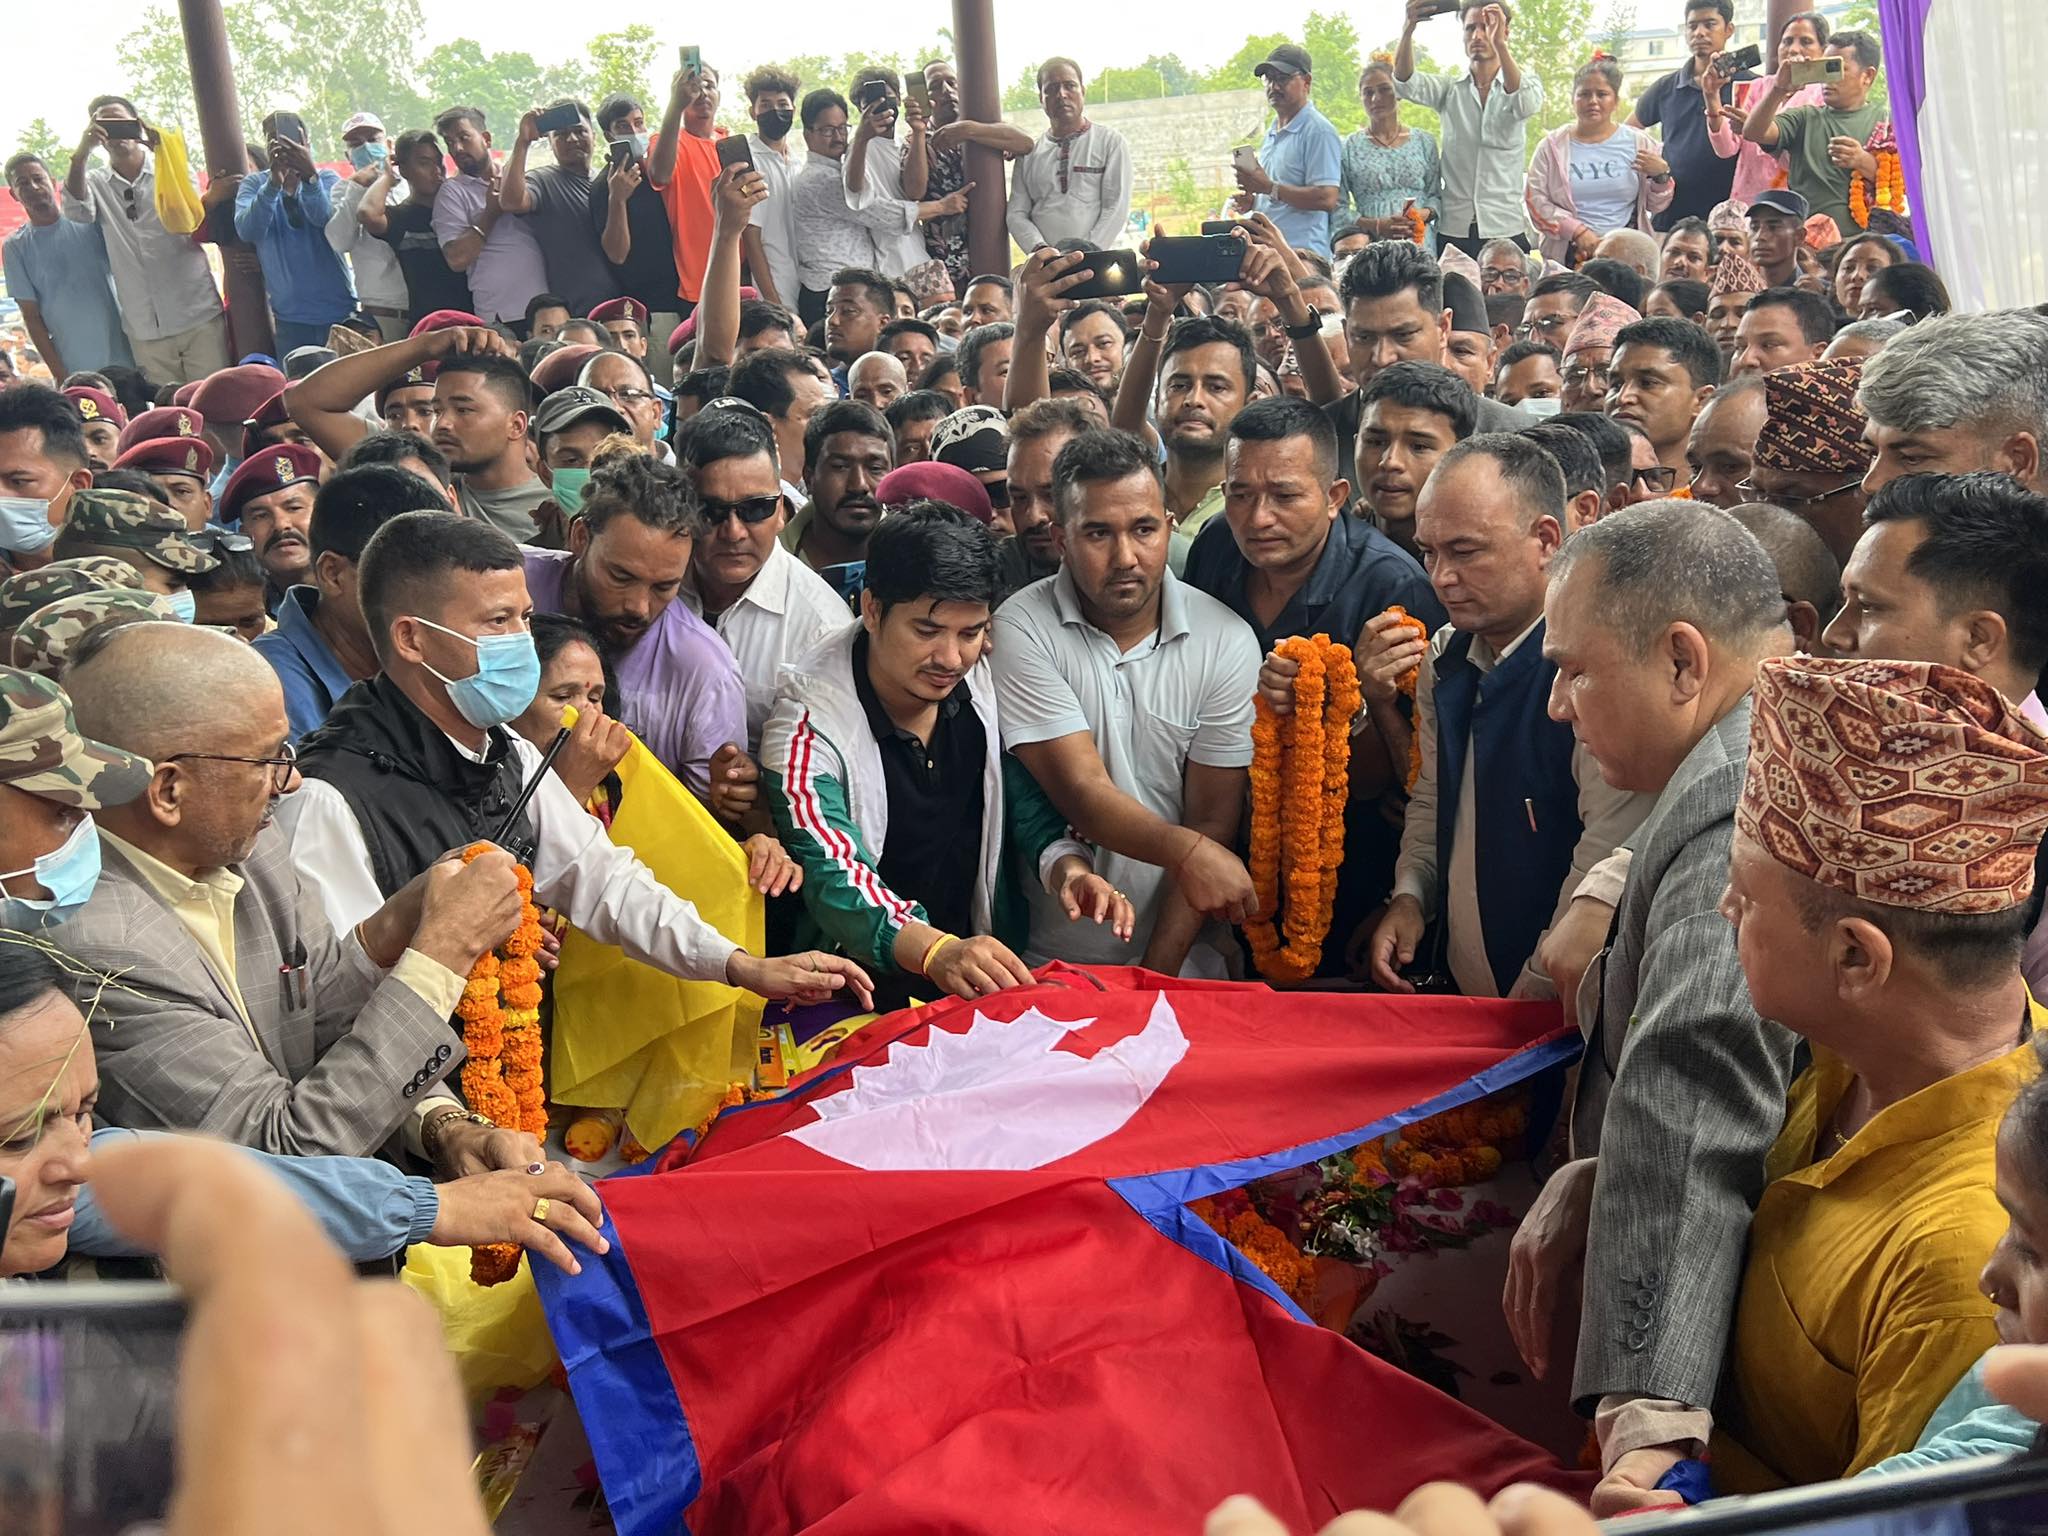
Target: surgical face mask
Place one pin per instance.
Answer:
(365, 155)
(68, 874)
(568, 486)
(184, 604)
(25, 525)
(506, 679)
(640, 142)
(775, 125)
(1541, 405)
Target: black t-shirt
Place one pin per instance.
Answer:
(649, 271)
(933, 852)
(430, 283)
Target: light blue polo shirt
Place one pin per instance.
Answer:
(1305, 153)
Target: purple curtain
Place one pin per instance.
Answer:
(1904, 23)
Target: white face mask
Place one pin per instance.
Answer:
(1541, 405)
(25, 525)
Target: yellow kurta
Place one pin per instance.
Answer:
(1860, 1305)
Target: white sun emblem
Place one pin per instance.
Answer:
(998, 1096)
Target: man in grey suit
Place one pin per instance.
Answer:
(1658, 617)
(238, 1010)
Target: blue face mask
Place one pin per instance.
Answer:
(366, 155)
(68, 874)
(507, 676)
(25, 524)
(184, 604)
(568, 486)
(1541, 406)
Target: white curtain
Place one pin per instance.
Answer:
(1984, 151)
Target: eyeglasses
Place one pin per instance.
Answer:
(1655, 478)
(831, 133)
(281, 767)
(626, 397)
(1751, 491)
(749, 510)
(1549, 325)
(1580, 378)
(998, 492)
(217, 540)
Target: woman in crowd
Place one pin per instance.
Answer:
(1594, 175)
(1756, 168)
(573, 675)
(1859, 260)
(1906, 288)
(1388, 165)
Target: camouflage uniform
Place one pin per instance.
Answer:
(45, 642)
(42, 753)
(107, 519)
(23, 594)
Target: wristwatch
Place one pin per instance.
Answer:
(1309, 327)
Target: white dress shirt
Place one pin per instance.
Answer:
(899, 238)
(577, 869)
(1606, 817)
(1080, 190)
(829, 234)
(1483, 151)
(379, 279)
(786, 609)
(162, 281)
(775, 214)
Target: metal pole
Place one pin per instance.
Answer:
(220, 132)
(981, 101)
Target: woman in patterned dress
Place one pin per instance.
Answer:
(1388, 165)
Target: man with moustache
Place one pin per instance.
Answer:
(847, 450)
(1075, 183)
(1294, 178)
(270, 496)
(500, 256)
(679, 687)
(946, 150)
(1092, 671)
(1093, 338)
(1661, 375)
(1037, 434)
(1736, 282)
(57, 270)
(1720, 451)
(857, 306)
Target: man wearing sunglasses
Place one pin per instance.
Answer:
(170, 307)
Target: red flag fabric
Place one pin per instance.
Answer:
(952, 1282)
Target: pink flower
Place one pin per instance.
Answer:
(1447, 1200)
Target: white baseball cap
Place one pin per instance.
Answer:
(362, 120)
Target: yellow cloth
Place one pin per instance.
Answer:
(177, 205)
(205, 906)
(1860, 1306)
(496, 1333)
(627, 1036)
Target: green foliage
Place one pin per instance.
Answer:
(1616, 26)
(619, 65)
(1235, 72)
(1862, 17)
(1180, 182)
(505, 85)
(1141, 84)
(1022, 94)
(47, 145)
(1549, 40)
(1180, 80)
(1332, 42)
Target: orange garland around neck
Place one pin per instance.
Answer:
(1300, 783)
(501, 1080)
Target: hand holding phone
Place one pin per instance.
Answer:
(1181, 260)
(1110, 274)
(121, 127)
(1797, 73)
(734, 149)
(557, 119)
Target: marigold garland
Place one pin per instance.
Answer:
(1418, 223)
(1890, 184)
(1407, 685)
(502, 1080)
(1300, 782)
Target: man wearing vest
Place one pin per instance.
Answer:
(1507, 816)
(417, 761)
(885, 773)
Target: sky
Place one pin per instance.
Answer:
(58, 65)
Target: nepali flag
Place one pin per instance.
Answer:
(952, 1281)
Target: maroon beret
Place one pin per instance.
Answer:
(272, 469)
(169, 456)
(227, 398)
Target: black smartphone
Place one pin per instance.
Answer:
(555, 119)
(618, 151)
(1987, 1496)
(1218, 226)
(121, 127)
(1750, 57)
(874, 94)
(289, 125)
(1444, 7)
(1111, 275)
(1203, 258)
(734, 149)
(88, 1404)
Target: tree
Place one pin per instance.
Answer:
(505, 86)
(1141, 84)
(1022, 95)
(1549, 41)
(1616, 27)
(1180, 80)
(1332, 42)
(47, 145)
(1862, 17)
(619, 63)
(1235, 72)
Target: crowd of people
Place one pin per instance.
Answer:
(1693, 557)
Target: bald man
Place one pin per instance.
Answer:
(240, 1011)
(877, 379)
(1630, 247)
(1809, 575)
(1721, 448)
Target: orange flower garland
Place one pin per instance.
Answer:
(1300, 782)
(1890, 188)
(501, 1080)
(1418, 222)
(1407, 686)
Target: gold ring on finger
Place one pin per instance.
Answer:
(540, 1209)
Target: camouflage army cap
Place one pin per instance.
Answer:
(22, 594)
(47, 638)
(125, 520)
(41, 751)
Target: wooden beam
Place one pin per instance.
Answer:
(981, 101)
(227, 155)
